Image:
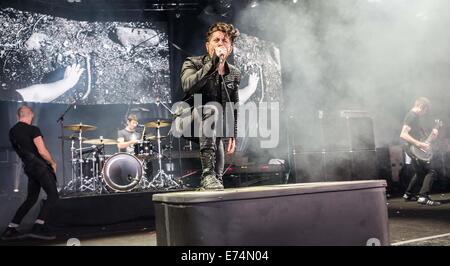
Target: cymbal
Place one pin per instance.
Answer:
(78, 127)
(155, 137)
(72, 137)
(101, 141)
(158, 123)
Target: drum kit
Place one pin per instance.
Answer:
(93, 171)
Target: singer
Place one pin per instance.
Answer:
(217, 81)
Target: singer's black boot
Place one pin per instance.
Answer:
(209, 180)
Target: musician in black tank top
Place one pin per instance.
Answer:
(413, 133)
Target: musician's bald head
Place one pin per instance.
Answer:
(24, 111)
(25, 114)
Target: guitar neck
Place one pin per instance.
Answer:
(429, 139)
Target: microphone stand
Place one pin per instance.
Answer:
(165, 106)
(61, 122)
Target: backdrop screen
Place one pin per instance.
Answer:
(260, 65)
(120, 62)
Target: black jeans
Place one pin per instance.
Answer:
(38, 177)
(220, 158)
(185, 125)
(423, 173)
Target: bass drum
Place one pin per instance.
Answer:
(122, 172)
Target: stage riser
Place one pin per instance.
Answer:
(299, 214)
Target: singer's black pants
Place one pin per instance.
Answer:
(38, 177)
(209, 139)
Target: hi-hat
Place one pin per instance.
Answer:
(79, 127)
(101, 141)
(158, 123)
(72, 137)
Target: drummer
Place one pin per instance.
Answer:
(128, 136)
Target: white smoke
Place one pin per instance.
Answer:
(360, 54)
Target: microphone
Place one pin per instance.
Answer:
(220, 52)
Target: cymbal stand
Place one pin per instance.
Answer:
(71, 186)
(80, 154)
(162, 179)
(145, 182)
(61, 122)
(89, 181)
(170, 166)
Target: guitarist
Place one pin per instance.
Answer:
(40, 168)
(412, 133)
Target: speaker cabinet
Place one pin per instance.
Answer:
(360, 130)
(332, 133)
(364, 165)
(396, 161)
(338, 166)
(335, 166)
(309, 167)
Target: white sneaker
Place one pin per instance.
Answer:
(427, 201)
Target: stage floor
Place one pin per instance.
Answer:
(409, 224)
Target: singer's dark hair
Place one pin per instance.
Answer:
(132, 117)
(228, 29)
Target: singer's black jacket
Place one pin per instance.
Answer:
(199, 76)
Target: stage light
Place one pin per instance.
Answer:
(253, 3)
(17, 175)
(225, 4)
